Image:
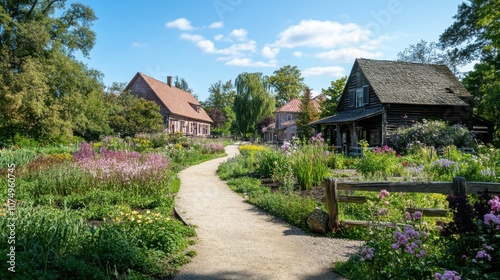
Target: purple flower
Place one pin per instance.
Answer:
(488, 218)
(483, 255)
(447, 275)
(367, 253)
(327, 153)
(417, 215)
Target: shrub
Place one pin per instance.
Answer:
(251, 149)
(310, 163)
(432, 133)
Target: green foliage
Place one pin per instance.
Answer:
(308, 113)
(290, 207)
(287, 83)
(251, 186)
(431, 133)
(252, 101)
(332, 93)
(130, 115)
(219, 106)
(236, 167)
(310, 163)
(380, 163)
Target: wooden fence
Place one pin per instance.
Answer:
(459, 186)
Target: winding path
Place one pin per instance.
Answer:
(238, 241)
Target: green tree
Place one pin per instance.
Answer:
(252, 101)
(220, 101)
(45, 93)
(287, 83)
(332, 93)
(130, 115)
(475, 35)
(475, 32)
(308, 114)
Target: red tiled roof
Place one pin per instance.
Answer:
(177, 101)
(293, 106)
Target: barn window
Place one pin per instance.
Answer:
(359, 97)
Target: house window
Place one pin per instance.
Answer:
(374, 137)
(362, 96)
(183, 127)
(359, 97)
(288, 117)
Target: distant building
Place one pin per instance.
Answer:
(181, 112)
(381, 96)
(284, 127)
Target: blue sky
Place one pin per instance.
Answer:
(204, 41)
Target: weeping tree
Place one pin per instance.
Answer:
(252, 101)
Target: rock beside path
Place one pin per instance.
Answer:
(318, 221)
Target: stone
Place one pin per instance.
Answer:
(318, 221)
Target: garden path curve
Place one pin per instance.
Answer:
(238, 241)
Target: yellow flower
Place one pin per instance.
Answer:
(147, 211)
(139, 221)
(135, 212)
(139, 216)
(118, 219)
(132, 219)
(121, 213)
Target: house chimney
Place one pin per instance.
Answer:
(169, 81)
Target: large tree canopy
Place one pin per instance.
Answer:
(252, 102)
(332, 93)
(287, 83)
(219, 106)
(45, 93)
(475, 32)
(475, 35)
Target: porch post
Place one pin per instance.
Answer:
(353, 135)
(383, 133)
(339, 135)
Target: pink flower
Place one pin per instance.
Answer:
(327, 153)
(383, 193)
(407, 216)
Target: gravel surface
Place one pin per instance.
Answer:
(238, 241)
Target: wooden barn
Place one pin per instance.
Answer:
(381, 96)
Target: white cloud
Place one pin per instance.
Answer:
(347, 54)
(207, 46)
(269, 52)
(191, 37)
(298, 54)
(240, 34)
(139, 45)
(247, 62)
(321, 34)
(180, 23)
(218, 37)
(218, 24)
(334, 71)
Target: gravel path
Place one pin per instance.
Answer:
(238, 241)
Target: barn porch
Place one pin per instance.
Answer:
(345, 130)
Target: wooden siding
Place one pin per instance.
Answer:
(140, 88)
(351, 84)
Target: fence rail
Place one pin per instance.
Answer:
(459, 186)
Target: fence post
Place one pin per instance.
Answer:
(460, 185)
(332, 203)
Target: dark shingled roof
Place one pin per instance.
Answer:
(349, 116)
(413, 83)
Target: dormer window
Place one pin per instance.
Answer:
(196, 107)
(359, 97)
